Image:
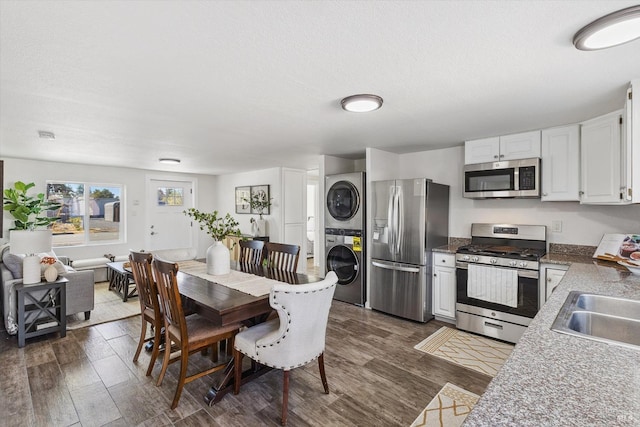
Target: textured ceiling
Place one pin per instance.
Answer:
(235, 86)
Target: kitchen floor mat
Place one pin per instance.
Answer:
(471, 351)
(449, 408)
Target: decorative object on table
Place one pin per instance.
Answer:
(30, 243)
(243, 194)
(50, 271)
(632, 266)
(218, 227)
(449, 408)
(471, 351)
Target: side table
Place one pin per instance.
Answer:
(121, 280)
(41, 309)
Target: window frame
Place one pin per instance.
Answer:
(87, 185)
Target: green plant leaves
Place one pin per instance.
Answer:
(25, 209)
(216, 226)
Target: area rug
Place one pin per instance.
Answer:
(471, 351)
(108, 307)
(449, 408)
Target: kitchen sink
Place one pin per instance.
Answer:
(601, 318)
(602, 304)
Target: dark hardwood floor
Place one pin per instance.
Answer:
(88, 378)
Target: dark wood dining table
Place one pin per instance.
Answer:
(224, 306)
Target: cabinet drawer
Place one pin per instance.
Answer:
(444, 260)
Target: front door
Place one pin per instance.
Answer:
(168, 227)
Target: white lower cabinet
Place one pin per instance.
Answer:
(444, 286)
(550, 275)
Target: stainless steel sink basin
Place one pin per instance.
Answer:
(600, 318)
(609, 305)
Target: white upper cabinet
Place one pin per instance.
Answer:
(600, 159)
(482, 150)
(561, 164)
(509, 147)
(631, 145)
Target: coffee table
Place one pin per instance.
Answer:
(121, 280)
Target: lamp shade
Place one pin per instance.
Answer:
(30, 241)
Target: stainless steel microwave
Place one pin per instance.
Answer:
(513, 178)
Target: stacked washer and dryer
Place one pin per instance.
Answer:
(345, 234)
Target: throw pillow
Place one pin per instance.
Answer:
(14, 263)
(60, 268)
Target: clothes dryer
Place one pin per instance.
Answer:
(345, 201)
(345, 256)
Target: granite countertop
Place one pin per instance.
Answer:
(566, 259)
(558, 379)
(448, 249)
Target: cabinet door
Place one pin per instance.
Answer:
(482, 150)
(600, 160)
(561, 164)
(444, 292)
(520, 146)
(554, 277)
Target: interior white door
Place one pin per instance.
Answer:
(168, 227)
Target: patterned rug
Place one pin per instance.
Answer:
(108, 307)
(449, 408)
(471, 351)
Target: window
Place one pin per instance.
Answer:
(98, 218)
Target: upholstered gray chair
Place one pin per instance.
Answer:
(295, 338)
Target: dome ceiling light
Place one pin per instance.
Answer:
(361, 103)
(611, 30)
(169, 161)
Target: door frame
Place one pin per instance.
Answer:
(175, 178)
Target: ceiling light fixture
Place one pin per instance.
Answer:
(169, 161)
(361, 103)
(611, 30)
(46, 134)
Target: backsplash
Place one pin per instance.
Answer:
(558, 248)
(459, 241)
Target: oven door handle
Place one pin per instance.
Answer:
(529, 274)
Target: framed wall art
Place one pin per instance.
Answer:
(260, 199)
(243, 196)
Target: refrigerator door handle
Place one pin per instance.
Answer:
(394, 267)
(390, 220)
(400, 219)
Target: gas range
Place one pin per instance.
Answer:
(505, 245)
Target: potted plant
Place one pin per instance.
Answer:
(259, 202)
(27, 210)
(216, 226)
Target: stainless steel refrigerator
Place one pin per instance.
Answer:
(410, 217)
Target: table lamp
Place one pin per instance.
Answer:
(30, 243)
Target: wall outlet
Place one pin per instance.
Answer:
(556, 226)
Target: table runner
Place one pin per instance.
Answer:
(238, 280)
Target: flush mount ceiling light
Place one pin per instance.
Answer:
(46, 135)
(169, 161)
(361, 103)
(611, 30)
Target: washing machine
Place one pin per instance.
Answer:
(344, 201)
(345, 256)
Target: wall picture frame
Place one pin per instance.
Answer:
(243, 195)
(262, 193)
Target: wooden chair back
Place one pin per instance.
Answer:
(165, 274)
(281, 256)
(142, 275)
(251, 252)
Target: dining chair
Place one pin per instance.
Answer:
(281, 256)
(295, 338)
(251, 252)
(149, 304)
(190, 334)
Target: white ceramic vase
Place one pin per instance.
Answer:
(218, 259)
(262, 227)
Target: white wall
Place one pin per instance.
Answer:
(225, 200)
(581, 224)
(39, 172)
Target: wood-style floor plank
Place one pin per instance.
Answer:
(375, 378)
